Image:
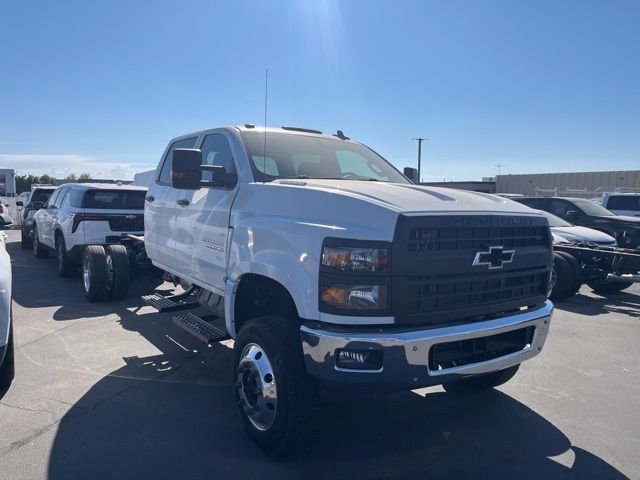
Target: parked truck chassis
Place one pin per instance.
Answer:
(605, 269)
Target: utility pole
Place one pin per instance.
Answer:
(500, 165)
(420, 140)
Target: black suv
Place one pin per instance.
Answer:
(38, 199)
(583, 212)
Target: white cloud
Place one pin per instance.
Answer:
(59, 166)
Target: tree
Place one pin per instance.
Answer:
(71, 177)
(84, 176)
(47, 179)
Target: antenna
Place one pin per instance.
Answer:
(264, 150)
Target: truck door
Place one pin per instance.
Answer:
(45, 221)
(160, 210)
(202, 220)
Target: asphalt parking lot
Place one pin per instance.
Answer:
(115, 390)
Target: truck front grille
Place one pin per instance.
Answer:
(435, 282)
(477, 350)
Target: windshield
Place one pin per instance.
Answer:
(555, 221)
(305, 156)
(592, 208)
(41, 196)
(115, 199)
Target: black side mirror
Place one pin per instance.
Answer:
(221, 178)
(186, 170)
(37, 205)
(412, 174)
(19, 203)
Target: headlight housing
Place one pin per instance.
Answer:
(357, 259)
(355, 277)
(361, 297)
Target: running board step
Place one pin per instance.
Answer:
(200, 329)
(163, 304)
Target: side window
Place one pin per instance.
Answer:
(624, 203)
(76, 198)
(537, 203)
(217, 151)
(165, 174)
(560, 208)
(61, 197)
(53, 198)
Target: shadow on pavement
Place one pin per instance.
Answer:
(29, 272)
(621, 302)
(172, 415)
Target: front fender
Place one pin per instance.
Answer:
(288, 259)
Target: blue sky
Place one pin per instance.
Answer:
(538, 86)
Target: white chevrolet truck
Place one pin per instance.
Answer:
(331, 270)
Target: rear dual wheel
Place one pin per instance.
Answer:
(566, 279)
(105, 272)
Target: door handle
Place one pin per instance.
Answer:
(149, 198)
(183, 203)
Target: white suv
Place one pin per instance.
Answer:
(79, 214)
(627, 204)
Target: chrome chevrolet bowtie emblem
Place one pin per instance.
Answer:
(494, 258)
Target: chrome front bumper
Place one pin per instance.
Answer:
(406, 353)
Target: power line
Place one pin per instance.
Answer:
(420, 140)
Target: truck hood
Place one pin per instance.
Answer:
(407, 198)
(582, 234)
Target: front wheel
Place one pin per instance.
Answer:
(39, 250)
(565, 276)
(482, 382)
(273, 392)
(25, 241)
(600, 286)
(66, 267)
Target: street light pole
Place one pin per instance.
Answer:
(420, 140)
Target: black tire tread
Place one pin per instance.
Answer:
(567, 276)
(96, 257)
(7, 369)
(66, 266)
(121, 271)
(25, 242)
(39, 250)
(280, 338)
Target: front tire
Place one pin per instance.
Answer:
(39, 250)
(94, 273)
(566, 276)
(66, 267)
(273, 392)
(7, 368)
(608, 287)
(482, 382)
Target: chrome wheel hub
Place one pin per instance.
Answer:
(256, 387)
(86, 279)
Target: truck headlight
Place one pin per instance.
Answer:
(357, 297)
(360, 259)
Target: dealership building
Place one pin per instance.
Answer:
(582, 184)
